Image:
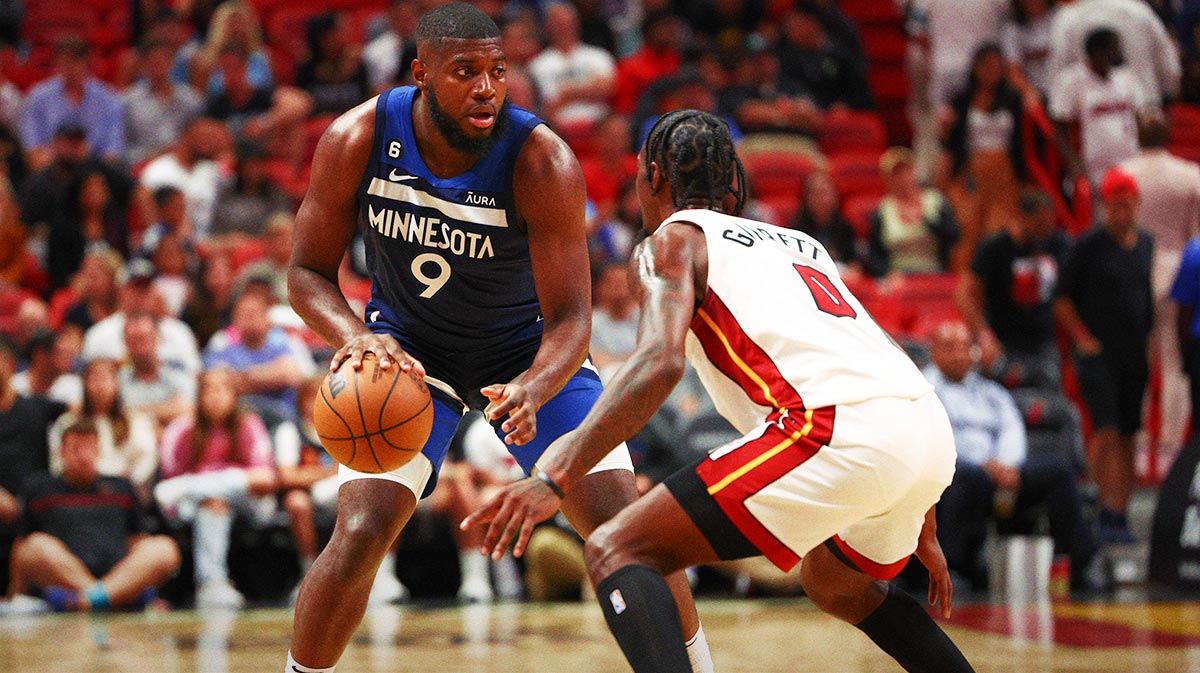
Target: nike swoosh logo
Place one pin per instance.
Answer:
(396, 177)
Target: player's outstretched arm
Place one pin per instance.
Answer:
(324, 226)
(550, 195)
(670, 271)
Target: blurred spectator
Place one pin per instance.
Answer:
(33, 318)
(764, 99)
(1169, 210)
(176, 344)
(593, 24)
(1027, 43)
(84, 546)
(307, 475)
(659, 57)
(1152, 57)
(521, 39)
(96, 288)
(820, 216)
(261, 360)
(989, 434)
(727, 23)
(91, 216)
(987, 148)
(12, 155)
(913, 229)
(46, 196)
(576, 79)
(128, 445)
(334, 74)
(171, 219)
(211, 305)
(233, 23)
(833, 75)
(272, 267)
(522, 92)
(390, 54)
(73, 96)
(689, 88)
(614, 319)
(252, 110)
(1105, 304)
(212, 464)
(172, 280)
(156, 108)
(191, 167)
(24, 422)
(952, 31)
(11, 103)
(1006, 294)
(18, 265)
(611, 239)
(146, 385)
(1103, 99)
(49, 373)
(244, 204)
(608, 168)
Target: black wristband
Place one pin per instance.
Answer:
(539, 474)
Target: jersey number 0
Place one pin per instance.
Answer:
(827, 296)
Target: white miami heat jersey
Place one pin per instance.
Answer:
(778, 330)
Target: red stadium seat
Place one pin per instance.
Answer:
(852, 131)
(783, 208)
(777, 175)
(885, 45)
(857, 173)
(857, 210)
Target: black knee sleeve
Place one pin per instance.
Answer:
(906, 632)
(641, 614)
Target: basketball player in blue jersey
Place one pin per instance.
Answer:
(473, 217)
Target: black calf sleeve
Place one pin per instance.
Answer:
(902, 629)
(641, 614)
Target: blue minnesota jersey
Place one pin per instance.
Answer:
(448, 258)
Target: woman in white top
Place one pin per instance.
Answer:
(986, 148)
(914, 228)
(128, 447)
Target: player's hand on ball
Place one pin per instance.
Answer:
(512, 514)
(384, 346)
(513, 400)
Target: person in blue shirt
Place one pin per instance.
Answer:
(473, 219)
(993, 457)
(1186, 292)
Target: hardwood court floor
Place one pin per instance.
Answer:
(746, 636)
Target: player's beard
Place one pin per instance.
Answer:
(459, 139)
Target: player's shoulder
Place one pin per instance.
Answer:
(545, 161)
(352, 129)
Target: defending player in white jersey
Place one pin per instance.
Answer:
(846, 448)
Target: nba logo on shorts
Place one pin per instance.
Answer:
(618, 601)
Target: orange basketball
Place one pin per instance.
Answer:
(373, 420)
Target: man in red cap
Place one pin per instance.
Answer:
(1104, 303)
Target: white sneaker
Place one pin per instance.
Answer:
(219, 594)
(22, 605)
(387, 589)
(475, 589)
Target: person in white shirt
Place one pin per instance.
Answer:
(1027, 40)
(49, 372)
(1152, 56)
(576, 79)
(384, 55)
(177, 347)
(192, 168)
(1104, 99)
(1170, 211)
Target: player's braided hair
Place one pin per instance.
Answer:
(456, 20)
(696, 151)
